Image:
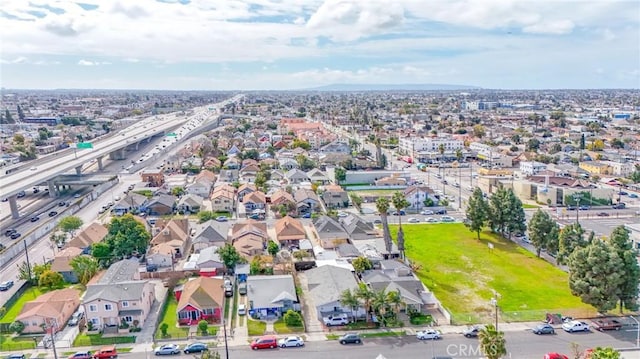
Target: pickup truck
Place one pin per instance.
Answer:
(606, 324)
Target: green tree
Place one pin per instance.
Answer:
(492, 342)
(203, 327)
(478, 131)
(204, 216)
(85, 268)
(361, 264)
(533, 145)
(366, 295)
(543, 232)
(163, 329)
(50, 279)
(127, 237)
(596, 275)
(506, 214)
(230, 256)
(18, 139)
(273, 248)
(302, 144)
(17, 327)
(340, 174)
(38, 270)
(604, 353)
(101, 251)
(380, 305)
(292, 318)
(356, 200)
(622, 245)
(400, 203)
(25, 272)
(571, 237)
(395, 301)
(382, 205)
(70, 223)
(8, 119)
(177, 191)
(208, 354)
(348, 298)
(477, 213)
(305, 163)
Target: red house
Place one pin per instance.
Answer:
(200, 298)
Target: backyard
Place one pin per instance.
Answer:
(30, 293)
(462, 272)
(170, 317)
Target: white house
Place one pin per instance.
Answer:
(530, 168)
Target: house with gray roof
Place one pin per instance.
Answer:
(358, 228)
(209, 258)
(329, 232)
(296, 176)
(317, 176)
(326, 285)
(210, 233)
(271, 295)
(190, 203)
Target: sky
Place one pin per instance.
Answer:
(301, 44)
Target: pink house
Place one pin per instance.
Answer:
(199, 299)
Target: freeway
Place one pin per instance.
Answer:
(13, 183)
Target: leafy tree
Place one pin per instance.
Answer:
(101, 251)
(582, 142)
(292, 318)
(85, 268)
(361, 264)
(543, 232)
(356, 200)
(477, 212)
(366, 295)
(70, 223)
(348, 298)
(177, 191)
(533, 145)
(17, 327)
(478, 131)
(204, 216)
(604, 353)
(596, 275)
(273, 248)
(506, 214)
(252, 154)
(230, 256)
(208, 354)
(492, 342)
(302, 144)
(203, 327)
(18, 139)
(305, 162)
(380, 305)
(340, 174)
(38, 270)
(8, 119)
(400, 203)
(25, 272)
(163, 329)
(382, 205)
(395, 301)
(50, 279)
(623, 246)
(127, 237)
(571, 237)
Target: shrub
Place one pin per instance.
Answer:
(203, 326)
(17, 327)
(292, 318)
(163, 328)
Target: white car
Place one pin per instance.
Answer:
(428, 334)
(431, 220)
(343, 214)
(242, 309)
(289, 342)
(448, 219)
(413, 220)
(575, 326)
(167, 349)
(426, 212)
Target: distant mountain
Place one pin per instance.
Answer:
(392, 87)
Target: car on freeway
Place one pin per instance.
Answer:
(222, 218)
(555, 356)
(10, 231)
(584, 208)
(571, 208)
(34, 219)
(15, 235)
(16, 356)
(543, 329)
(472, 331)
(603, 214)
(61, 204)
(619, 206)
(632, 195)
(34, 168)
(413, 220)
(265, 342)
(167, 349)
(350, 338)
(6, 285)
(242, 309)
(77, 195)
(195, 348)
(343, 214)
(53, 214)
(426, 212)
(607, 324)
(292, 341)
(575, 326)
(377, 221)
(21, 194)
(428, 334)
(80, 355)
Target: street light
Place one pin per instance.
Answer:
(577, 197)
(637, 331)
(494, 302)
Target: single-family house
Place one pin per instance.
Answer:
(249, 171)
(417, 195)
(249, 237)
(50, 309)
(326, 285)
(232, 163)
(190, 203)
(306, 201)
(61, 263)
(153, 178)
(93, 233)
(200, 187)
(335, 196)
(329, 232)
(228, 175)
(210, 233)
(358, 228)
(209, 258)
(289, 231)
(199, 299)
(282, 197)
(254, 200)
(161, 204)
(288, 164)
(278, 175)
(271, 295)
(171, 242)
(317, 176)
(296, 176)
(131, 203)
(222, 199)
(395, 276)
(245, 189)
(212, 162)
(336, 147)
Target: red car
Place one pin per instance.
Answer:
(555, 356)
(607, 324)
(265, 342)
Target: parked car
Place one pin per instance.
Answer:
(265, 342)
(80, 355)
(440, 211)
(413, 220)
(242, 288)
(584, 208)
(571, 208)
(607, 324)
(242, 309)
(75, 318)
(222, 218)
(377, 221)
(306, 215)
(431, 220)
(167, 349)
(543, 329)
(336, 320)
(289, 342)
(343, 214)
(107, 352)
(6, 285)
(428, 333)
(448, 219)
(195, 348)
(472, 331)
(555, 356)
(9, 232)
(399, 213)
(350, 338)
(633, 195)
(16, 356)
(426, 212)
(152, 267)
(575, 326)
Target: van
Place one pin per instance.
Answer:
(108, 352)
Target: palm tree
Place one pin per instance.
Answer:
(441, 150)
(382, 205)
(380, 305)
(492, 342)
(400, 203)
(395, 300)
(349, 299)
(366, 295)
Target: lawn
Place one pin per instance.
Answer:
(462, 272)
(256, 327)
(84, 340)
(30, 293)
(526, 205)
(170, 317)
(282, 328)
(383, 334)
(11, 343)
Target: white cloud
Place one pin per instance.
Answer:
(551, 27)
(84, 62)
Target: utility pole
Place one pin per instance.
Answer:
(637, 331)
(577, 197)
(494, 302)
(26, 254)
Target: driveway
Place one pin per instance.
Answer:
(149, 327)
(309, 312)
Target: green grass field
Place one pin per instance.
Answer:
(282, 328)
(256, 327)
(11, 343)
(169, 315)
(13, 311)
(462, 272)
(84, 340)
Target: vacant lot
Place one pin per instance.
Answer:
(462, 272)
